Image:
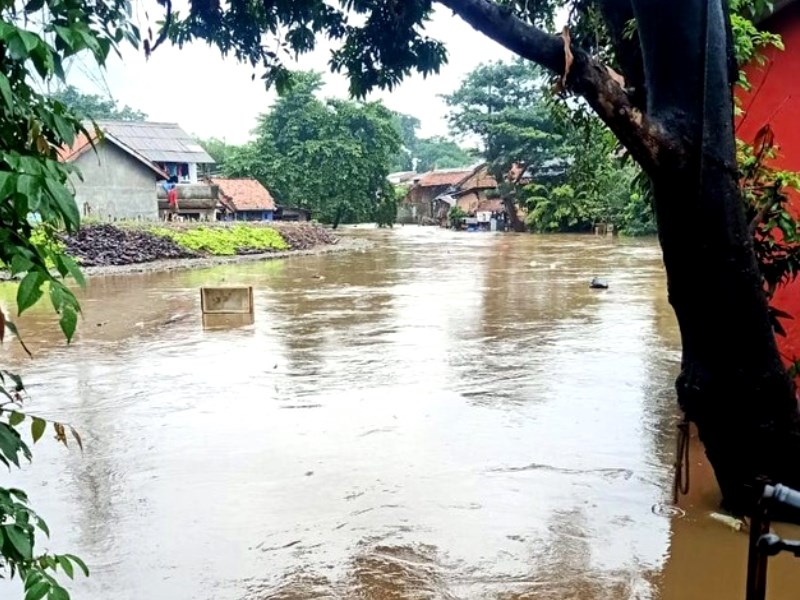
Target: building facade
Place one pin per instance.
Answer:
(774, 101)
(116, 183)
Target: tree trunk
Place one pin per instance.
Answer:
(337, 217)
(514, 222)
(732, 385)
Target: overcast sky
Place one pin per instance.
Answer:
(211, 96)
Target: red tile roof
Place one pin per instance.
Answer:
(244, 194)
(439, 178)
(79, 146)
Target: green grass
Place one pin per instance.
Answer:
(225, 241)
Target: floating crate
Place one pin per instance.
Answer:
(226, 300)
(227, 320)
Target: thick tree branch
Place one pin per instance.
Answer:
(617, 14)
(644, 138)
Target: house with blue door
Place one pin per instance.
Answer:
(244, 200)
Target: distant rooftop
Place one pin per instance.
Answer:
(158, 142)
(443, 177)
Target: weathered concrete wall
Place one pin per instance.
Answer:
(115, 186)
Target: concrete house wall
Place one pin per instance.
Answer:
(115, 185)
(774, 100)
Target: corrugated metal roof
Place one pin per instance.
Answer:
(159, 142)
(83, 144)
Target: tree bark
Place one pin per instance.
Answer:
(514, 222)
(732, 382)
(337, 217)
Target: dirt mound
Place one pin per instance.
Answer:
(104, 245)
(302, 236)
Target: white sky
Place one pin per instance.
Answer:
(211, 96)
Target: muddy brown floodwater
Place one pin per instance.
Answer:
(442, 416)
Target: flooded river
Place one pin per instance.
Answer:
(443, 416)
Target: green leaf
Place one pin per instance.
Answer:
(73, 269)
(38, 591)
(20, 264)
(66, 565)
(20, 539)
(37, 428)
(30, 40)
(68, 321)
(57, 297)
(10, 443)
(16, 418)
(79, 562)
(18, 494)
(5, 91)
(40, 523)
(32, 578)
(64, 129)
(8, 183)
(13, 329)
(66, 204)
(58, 593)
(29, 291)
(31, 188)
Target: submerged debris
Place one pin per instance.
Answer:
(732, 522)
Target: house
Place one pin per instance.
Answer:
(774, 100)
(475, 194)
(121, 169)
(245, 199)
(401, 177)
(178, 155)
(165, 144)
(418, 205)
(475, 189)
(117, 181)
(292, 214)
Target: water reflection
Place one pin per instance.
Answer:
(444, 416)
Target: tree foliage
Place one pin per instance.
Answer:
(92, 106)
(331, 157)
(36, 202)
(220, 150)
(569, 175)
(426, 154)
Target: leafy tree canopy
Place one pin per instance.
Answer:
(95, 107)
(425, 154)
(566, 173)
(328, 156)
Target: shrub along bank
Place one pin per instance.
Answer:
(126, 244)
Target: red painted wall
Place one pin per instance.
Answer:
(775, 99)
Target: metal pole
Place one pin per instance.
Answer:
(757, 560)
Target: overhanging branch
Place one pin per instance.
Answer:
(644, 138)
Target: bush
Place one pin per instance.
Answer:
(226, 241)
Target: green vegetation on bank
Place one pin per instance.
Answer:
(225, 241)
